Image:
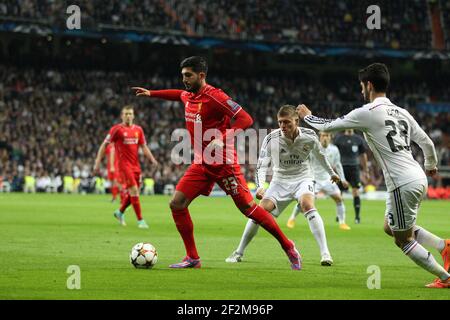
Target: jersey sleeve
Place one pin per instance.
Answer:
(263, 162)
(425, 143)
(361, 146)
(224, 103)
(356, 119)
(112, 135)
(142, 139)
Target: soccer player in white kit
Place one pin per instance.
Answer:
(288, 149)
(389, 131)
(322, 181)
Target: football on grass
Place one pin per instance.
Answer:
(143, 255)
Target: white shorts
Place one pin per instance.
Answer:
(327, 187)
(403, 204)
(283, 193)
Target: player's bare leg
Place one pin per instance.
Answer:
(340, 211)
(428, 239)
(180, 213)
(414, 250)
(316, 226)
(250, 231)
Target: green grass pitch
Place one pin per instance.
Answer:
(41, 235)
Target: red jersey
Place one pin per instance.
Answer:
(127, 141)
(111, 149)
(212, 109)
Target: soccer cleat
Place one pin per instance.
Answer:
(187, 263)
(344, 226)
(294, 257)
(446, 255)
(357, 220)
(142, 224)
(439, 284)
(337, 219)
(234, 257)
(291, 223)
(326, 260)
(120, 216)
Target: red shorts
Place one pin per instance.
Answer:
(130, 178)
(199, 180)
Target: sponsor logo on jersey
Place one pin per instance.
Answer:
(234, 105)
(130, 140)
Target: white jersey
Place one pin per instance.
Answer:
(334, 157)
(389, 131)
(290, 159)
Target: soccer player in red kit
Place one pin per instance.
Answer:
(128, 138)
(206, 108)
(112, 166)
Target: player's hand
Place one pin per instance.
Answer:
(142, 92)
(335, 178)
(303, 111)
(112, 170)
(96, 169)
(216, 143)
(367, 175)
(260, 193)
(344, 184)
(432, 172)
(154, 163)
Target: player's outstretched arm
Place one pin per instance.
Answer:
(426, 144)
(169, 94)
(100, 154)
(353, 120)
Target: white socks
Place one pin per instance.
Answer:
(340, 211)
(251, 228)
(316, 225)
(424, 259)
(426, 238)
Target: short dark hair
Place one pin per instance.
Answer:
(197, 63)
(377, 74)
(287, 111)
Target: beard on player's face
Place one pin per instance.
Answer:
(192, 86)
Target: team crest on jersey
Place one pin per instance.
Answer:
(306, 148)
(234, 105)
(136, 134)
(355, 149)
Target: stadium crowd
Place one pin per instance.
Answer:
(52, 122)
(405, 24)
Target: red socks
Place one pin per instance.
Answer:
(136, 206)
(267, 221)
(185, 227)
(114, 191)
(126, 201)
